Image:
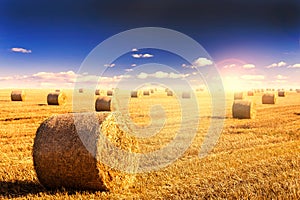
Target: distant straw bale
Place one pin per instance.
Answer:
(250, 93)
(146, 93)
(243, 109)
(238, 96)
(281, 93)
(103, 103)
(80, 90)
(57, 90)
(186, 95)
(170, 93)
(134, 94)
(18, 95)
(268, 98)
(109, 93)
(56, 98)
(97, 92)
(64, 157)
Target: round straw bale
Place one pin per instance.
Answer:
(57, 90)
(56, 98)
(97, 92)
(18, 95)
(134, 94)
(65, 157)
(80, 90)
(170, 93)
(186, 95)
(238, 96)
(243, 109)
(146, 93)
(250, 93)
(281, 93)
(103, 103)
(268, 98)
(109, 93)
(298, 90)
(151, 90)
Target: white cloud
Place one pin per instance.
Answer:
(20, 50)
(133, 65)
(109, 65)
(146, 55)
(134, 49)
(142, 75)
(280, 64)
(253, 77)
(183, 65)
(248, 66)
(128, 70)
(294, 66)
(201, 62)
(281, 77)
(161, 74)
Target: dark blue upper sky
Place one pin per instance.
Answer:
(61, 33)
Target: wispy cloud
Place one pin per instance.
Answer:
(146, 55)
(20, 50)
(134, 49)
(229, 66)
(128, 70)
(110, 65)
(279, 64)
(294, 66)
(253, 77)
(248, 66)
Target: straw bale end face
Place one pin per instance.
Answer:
(281, 93)
(134, 94)
(243, 109)
(18, 95)
(56, 98)
(64, 157)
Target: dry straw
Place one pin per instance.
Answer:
(103, 103)
(134, 94)
(268, 98)
(146, 93)
(281, 93)
(109, 93)
(243, 109)
(238, 96)
(18, 95)
(186, 95)
(169, 93)
(62, 160)
(56, 98)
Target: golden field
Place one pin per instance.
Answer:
(253, 159)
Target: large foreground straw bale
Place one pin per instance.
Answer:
(18, 95)
(62, 160)
(268, 98)
(56, 98)
(238, 96)
(243, 109)
(103, 103)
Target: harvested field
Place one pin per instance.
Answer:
(254, 158)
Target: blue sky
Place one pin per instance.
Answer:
(253, 42)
